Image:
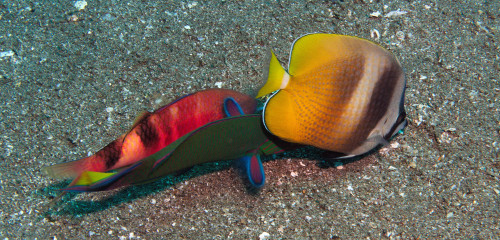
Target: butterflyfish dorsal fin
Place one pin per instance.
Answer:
(315, 50)
(341, 90)
(276, 75)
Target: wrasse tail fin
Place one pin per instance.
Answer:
(66, 170)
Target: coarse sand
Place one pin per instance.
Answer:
(74, 75)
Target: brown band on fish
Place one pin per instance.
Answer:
(111, 153)
(380, 100)
(147, 132)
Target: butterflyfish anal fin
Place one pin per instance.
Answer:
(276, 76)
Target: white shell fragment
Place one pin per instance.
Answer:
(264, 235)
(375, 34)
(80, 4)
(6, 54)
(395, 13)
(376, 14)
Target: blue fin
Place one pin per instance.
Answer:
(232, 108)
(251, 166)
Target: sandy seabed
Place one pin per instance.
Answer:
(73, 77)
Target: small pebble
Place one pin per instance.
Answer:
(264, 235)
(395, 13)
(413, 164)
(6, 54)
(375, 14)
(80, 5)
(192, 5)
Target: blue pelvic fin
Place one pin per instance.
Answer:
(251, 167)
(232, 108)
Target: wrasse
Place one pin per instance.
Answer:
(340, 93)
(239, 136)
(154, 131)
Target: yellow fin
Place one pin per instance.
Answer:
(314, 50)
(89, 177)
(275, 76)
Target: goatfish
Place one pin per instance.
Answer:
(340, 93)
(154, 131)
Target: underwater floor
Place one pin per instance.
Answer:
(73, 77)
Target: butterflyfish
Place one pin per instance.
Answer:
(154, 131)
(340, 93)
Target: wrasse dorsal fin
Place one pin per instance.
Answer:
(144, 115)
(139, 119)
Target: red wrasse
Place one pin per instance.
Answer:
(153, 131)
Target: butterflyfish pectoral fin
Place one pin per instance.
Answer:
(277, 77)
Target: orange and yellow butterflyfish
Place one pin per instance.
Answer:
(340, 93)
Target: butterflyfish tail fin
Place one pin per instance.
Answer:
(369, 144)
(277, 77)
